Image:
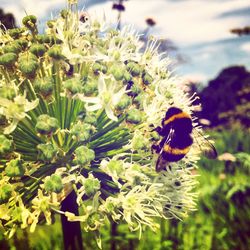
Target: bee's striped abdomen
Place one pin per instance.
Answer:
(177, 148)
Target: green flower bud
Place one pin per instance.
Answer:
(7, 92)
(90, 87)
(127, 77)
(50, 23)
(147, 78)
(53, 183)
(118, 40)
(82, 131)
(55, 52)
(12, 48)
(134, 68)
(8, 59)
(49, 39)
(46, 152)
(29, 21)
(38, 49)
(116, 55)
(28, 65)
(117, 71)
(135, 116)
(73, 85)
(113, 32)
(155, 136)
(46, 125)
(5, 193)
(6, 145)
(64, 13)
(91, 119)
(84, 155)
(91, 186)
(115, 166)
(124, 102)
(14, 168)
(23, 43)
(139, 142)
(163, 74)
(40, 38)
(99, 67)
(44, 86)
(15, 33)
(135, 89)
(139, 99)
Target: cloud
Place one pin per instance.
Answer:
(185, 22)
(238, 12)
(195, 77)
(245, 47)
(41, 8)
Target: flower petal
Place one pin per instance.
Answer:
(110, 113)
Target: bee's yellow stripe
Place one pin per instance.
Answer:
(177, 116)
(176, 151)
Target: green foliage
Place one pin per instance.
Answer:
(221, 220)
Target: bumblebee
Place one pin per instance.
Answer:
(176, 132)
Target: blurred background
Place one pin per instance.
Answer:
(209, 46)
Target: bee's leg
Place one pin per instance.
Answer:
(159, 130)
(156, 148)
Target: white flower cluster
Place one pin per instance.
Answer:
(77, 106)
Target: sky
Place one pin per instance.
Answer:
(200, 29)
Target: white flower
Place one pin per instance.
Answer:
(137, 207)
(16, 110)
(108, 97)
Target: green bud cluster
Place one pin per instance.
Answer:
(44, 86)
(46, 152)
(82, 131)
(90, 87)
(7, 92)
(73, 85)
(46, 125)
(30, 22)
(28, 64)
(91, 186)
(84, 155)
(14, 168)
(55, 52)
(6, 145)
(124, 102)
(48, 39)
(117, 71)
(16, 32)
(134, 116)
(99, 67)
(147, 78)
(13, 47)
(5, 193)
(134, 68)
(53, 183)
(8, 59)
(38, 49)
(115, 166)
(23, 43)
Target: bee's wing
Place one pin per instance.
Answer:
(205, 145)
(161, 162)
(167, 140)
